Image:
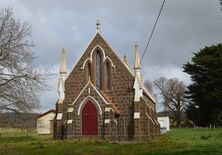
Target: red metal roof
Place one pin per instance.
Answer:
(115, 108)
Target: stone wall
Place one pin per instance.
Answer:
(121, 126)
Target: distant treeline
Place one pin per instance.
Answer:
(18, 120)
(28, 120)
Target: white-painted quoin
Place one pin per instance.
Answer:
(103, 97)
(63, 73)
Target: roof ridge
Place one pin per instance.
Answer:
(43, 114)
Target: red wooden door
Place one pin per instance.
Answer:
(89, 119)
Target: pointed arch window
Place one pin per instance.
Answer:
(89, 71)
(98, 70)
(108, 76)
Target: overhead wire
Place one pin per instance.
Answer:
(158, 16)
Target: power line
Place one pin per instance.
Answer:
(144, 52)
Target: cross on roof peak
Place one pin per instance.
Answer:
(98, 26)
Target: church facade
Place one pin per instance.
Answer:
(102, 97)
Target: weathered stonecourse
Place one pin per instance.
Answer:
(103, 98)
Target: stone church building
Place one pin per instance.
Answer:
(102, 97)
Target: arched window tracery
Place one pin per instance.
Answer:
(108, 84)
(89, 71)
(98, 70)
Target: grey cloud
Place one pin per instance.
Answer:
(184, 27)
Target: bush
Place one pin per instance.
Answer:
(205, 137)
(187, 123)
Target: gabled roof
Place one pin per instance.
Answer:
(102, 96)
(99, 34)
(125, 65)
(89, 83)
(45, 113)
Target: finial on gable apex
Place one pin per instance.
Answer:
(136, 45)
(125, 59)
(98, 26)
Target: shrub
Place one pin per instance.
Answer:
(205, 137)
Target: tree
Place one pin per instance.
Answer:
(19, 82)
(149, 86)
(205, 92)
(173, 96)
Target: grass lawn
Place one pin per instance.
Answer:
(177, 141)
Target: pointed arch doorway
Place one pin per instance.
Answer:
(89, 119)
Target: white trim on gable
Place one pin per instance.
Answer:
(104, 57)
(107, 57)
(90, 98)
(117, 56)
(148, 104)
(83, 91)
(80, 93)
(156, 122)
(129, 69)
(86, 49)
(150, 118)
(91, 53)
(145, 89)
(99, 93)
(83, 66)
(115, 121)
(81, 55)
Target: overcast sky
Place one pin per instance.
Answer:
(185, 26)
